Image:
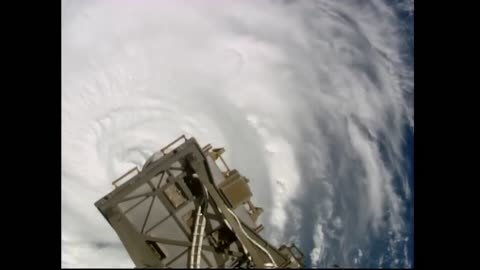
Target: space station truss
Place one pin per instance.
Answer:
(181, 210)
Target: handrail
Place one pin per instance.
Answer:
(114, 183)
(172, 143)
(225, 164)
(207, 148)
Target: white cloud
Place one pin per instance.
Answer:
(299, 93)
(317, 254)
(100, 256)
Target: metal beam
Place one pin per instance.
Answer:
(200, 167)
(186, 244)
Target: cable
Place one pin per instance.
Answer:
(203, 211)
(245, 250)
(204, 203)
(251, 240)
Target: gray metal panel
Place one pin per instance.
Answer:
(145, 188)
(137, 215)
(124, 206)
(180, 262)
(216, 173)
(157, 214)
(242, 214)
(209, 255)
(185, 210)
(159, 180)
(170, 230)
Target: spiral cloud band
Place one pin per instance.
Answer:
(311, 100)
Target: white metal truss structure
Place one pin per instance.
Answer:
(182, 211)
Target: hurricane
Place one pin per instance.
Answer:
(312, 100)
